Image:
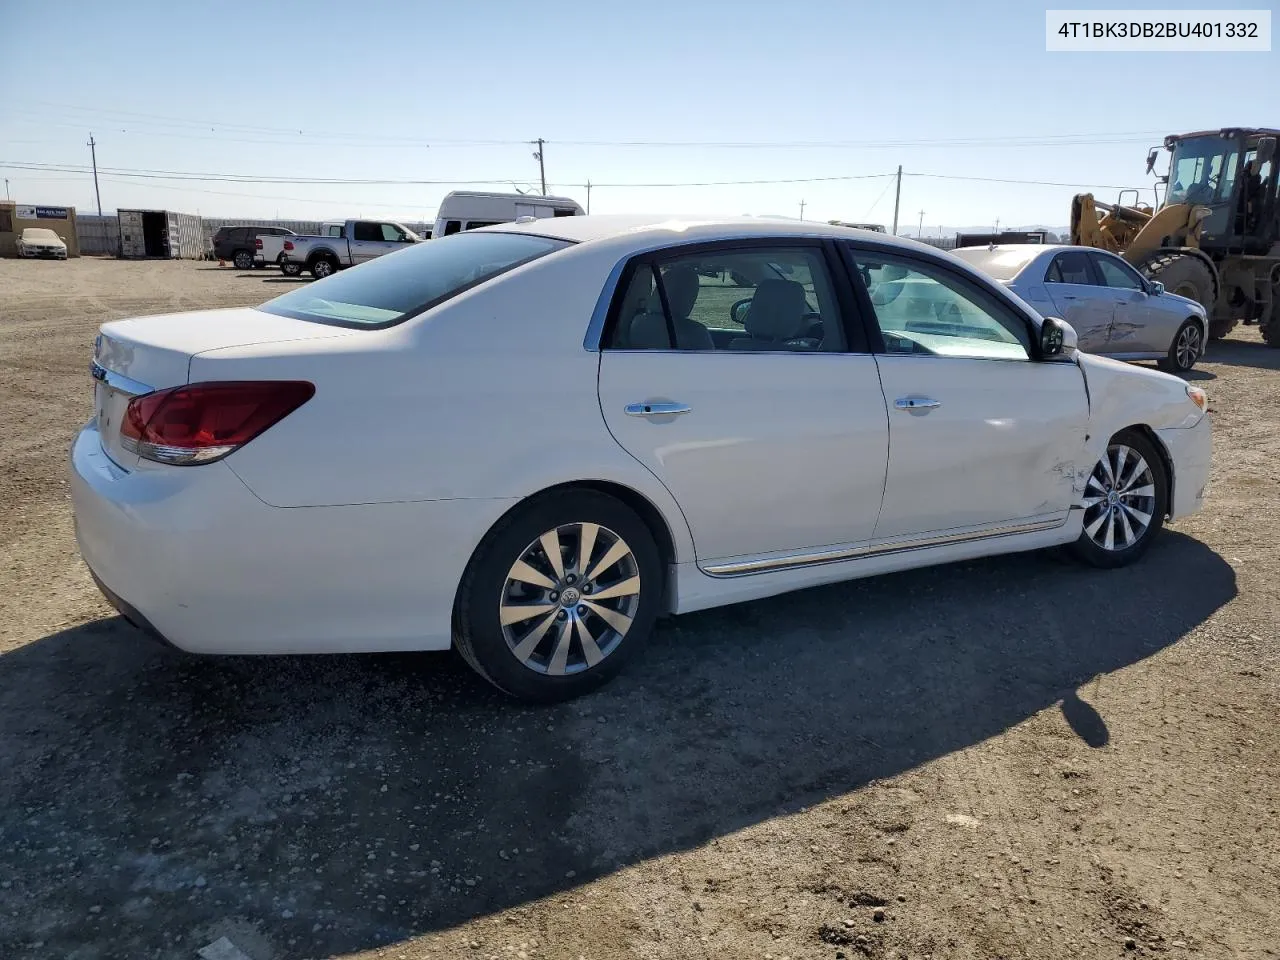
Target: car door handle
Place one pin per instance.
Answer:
(1069, 296)
(656, 409)
(916, 403)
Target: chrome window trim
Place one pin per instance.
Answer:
(793, 561)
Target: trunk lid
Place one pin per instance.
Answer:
(133, 357)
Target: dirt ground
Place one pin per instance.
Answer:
(1014, 758)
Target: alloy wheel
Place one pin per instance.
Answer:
(1120, 499)
(1188, 347)
(569, 599)
(322, 269)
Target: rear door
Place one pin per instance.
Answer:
(1139, 324)
(982, 438)
(770, 433)
(1073, 283)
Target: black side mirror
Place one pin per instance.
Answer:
(1266, 150)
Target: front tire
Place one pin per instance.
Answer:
(558, 595)
(290, 269)
(243, 260)
(1187, 347)
(1125, 500)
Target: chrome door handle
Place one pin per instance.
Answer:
(916, 403)
(655, 409)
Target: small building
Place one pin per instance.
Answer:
(160, 233)
(16, 217)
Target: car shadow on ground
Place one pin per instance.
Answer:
(1243, 353)
(342, 803)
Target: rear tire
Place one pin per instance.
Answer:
(323, 267)
(243, 260)
(1187, 347)
(1271, 329)
(599, 617)
(290, 269)
(1125, 498)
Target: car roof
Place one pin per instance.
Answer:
(654, 229)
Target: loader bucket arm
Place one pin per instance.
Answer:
(1176, 225)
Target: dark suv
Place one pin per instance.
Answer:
(237, 243)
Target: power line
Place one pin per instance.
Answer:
(1036, 183)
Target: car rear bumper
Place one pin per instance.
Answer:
(1191, 451)
(192, 555)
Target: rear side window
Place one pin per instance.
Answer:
(368, 231)
(1070, 267)
(452, 227)
(393, 288)
(476, 224)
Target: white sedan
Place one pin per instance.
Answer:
(41, 242)
(528, 441)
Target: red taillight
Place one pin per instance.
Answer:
(257, 242)
(203, 422)
(288, 244)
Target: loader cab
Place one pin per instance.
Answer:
(1233, 173)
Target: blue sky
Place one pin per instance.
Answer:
(364, 89)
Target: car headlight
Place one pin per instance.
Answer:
(1198, 397)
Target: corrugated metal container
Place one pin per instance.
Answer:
(186, 237)
(161, 233)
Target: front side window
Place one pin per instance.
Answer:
(451, 227)
(477, 224)
(925, 309)
(756, 299)
(393, 288)
(1117, 274)
(1070, 267)
(392, 233)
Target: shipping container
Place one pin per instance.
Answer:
(161, 233)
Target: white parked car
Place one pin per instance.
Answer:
(41, 242)
(531, 440)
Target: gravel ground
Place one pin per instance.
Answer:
(1011, 758)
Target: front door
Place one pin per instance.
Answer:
(1074, 285)
(1140, 323)
(981, 437)
(728, 372)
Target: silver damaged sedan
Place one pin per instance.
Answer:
(1114, 309)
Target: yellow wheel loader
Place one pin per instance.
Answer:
(1216, 236)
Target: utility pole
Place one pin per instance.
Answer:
(542, 167)
(997, 229)
(897, 195)
(920, 227)
(588, 196)
(801, 209)
(93, 152)
(6, 189)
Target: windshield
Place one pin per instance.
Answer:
(1196, 172)
(394, 287)
(998, 264)
(38, 233)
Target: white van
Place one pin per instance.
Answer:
(468, 209)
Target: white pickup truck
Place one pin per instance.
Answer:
(345, 244)
(269, 248)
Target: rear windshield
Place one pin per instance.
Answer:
(998, 264)
(399, 285)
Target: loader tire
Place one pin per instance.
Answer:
(1187, 276)
(1271, 329)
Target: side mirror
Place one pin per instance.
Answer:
(1057, 339)
(1155, 288)
(1151, 158)
(1266, 150)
